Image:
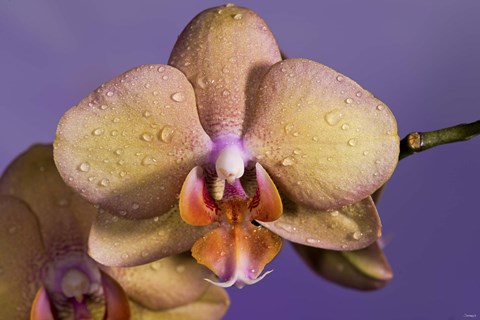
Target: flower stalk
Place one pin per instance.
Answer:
(421, 141)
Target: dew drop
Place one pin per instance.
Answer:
(357, 235)
(147, 113)
(334, 213)
(329, 158)
(149, 161)
(166, 134)
(178, 96)
(312, 240)
(116, 120)
(104, 182)
(104, 107)
(339, 78)
(358, 94)
(84, 167)
(165, 77)
(109, 94)
(333, 117)
(147, 137)
(135, 206)
(345, 126)
(114, 133)
(180, 268)
(119, 152)
(288, 161)
(352, 142)
(288, 128)
(225, 93)
(201, 82)
(98, 132)
(365, 153)
(315, 138)
(156, 219)
(297, 151)
(161, 69)
(121, 162)
(284, 226)
(122, 174)
(230, 5)
(380, 107)
(348, 100)
(238, 16)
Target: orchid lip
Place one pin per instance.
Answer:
(238, 280)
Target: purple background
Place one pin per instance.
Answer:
(422, 58)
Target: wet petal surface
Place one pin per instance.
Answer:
(64, 216)
(326, 141)
(348, 228)
(22, 254)
(211, 305)
(164, 284)
(116, 241)
(129, 145)
(224, 52)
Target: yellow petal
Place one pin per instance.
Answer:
(163, 284)
(116, 241)
(348, 228)
(365, 269)
(21, 254)
(224, 52)
(326, 141)
(129, 145)
(64, 216)
(211, 305)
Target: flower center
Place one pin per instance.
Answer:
(229, 164)
(75, 284)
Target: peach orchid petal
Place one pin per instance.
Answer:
(365, 269)
(41, 309)
(211, 305)
(116, 299)
(165, 283)
(237, 253)
(348, 228)
(116, 241)
(224, 52)
(326, 141)
(64, 216)
(22, 253)
(266, 204)
(197, 207)
(129, 145)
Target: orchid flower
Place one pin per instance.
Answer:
(226, 150)
(46, 273)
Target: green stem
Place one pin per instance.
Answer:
(420, 141)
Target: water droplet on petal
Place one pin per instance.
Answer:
(109, 94)
(230, 5)
(339, 78)
(357, 235)
(147, 113)
(98, 132)
(119, 151)
(149, 161)
(104, 107)
(201, 82)
(135, 206)
(288, 128)
(352, 142)
(104, 182)
(238, 16)
(333, 117)
(358, 94)
(312, 240)
(345, 126)
(161, 69)
(178, 97)
(226, 93)
(114, 133)
(166, 134)
(180, 268)
(334, 213)
(288, 161)
(348, 100)
(365, 153)
(380, 107)
(84, 167)
(147, 137)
